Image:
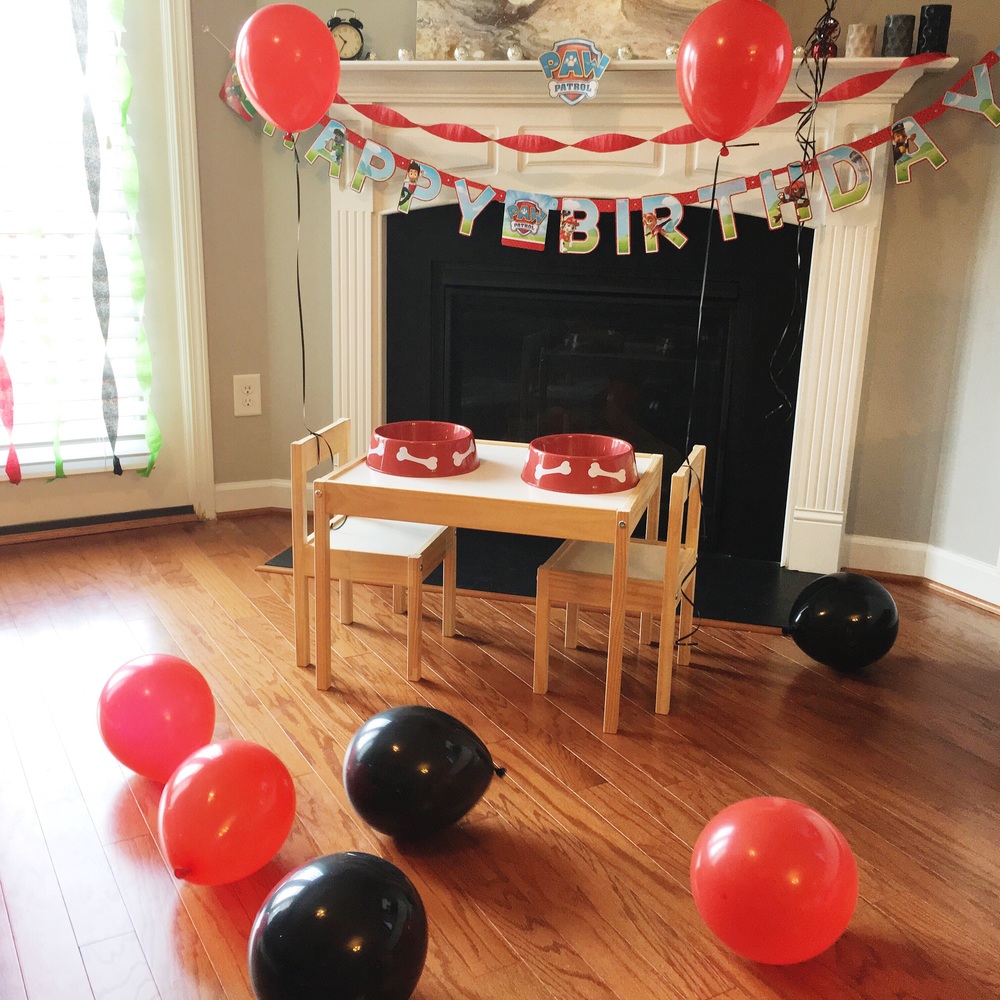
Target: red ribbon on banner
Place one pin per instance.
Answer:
(614, 142)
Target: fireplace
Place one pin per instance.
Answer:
(638, 98)
(516, 344)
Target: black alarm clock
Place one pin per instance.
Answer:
(347, 34)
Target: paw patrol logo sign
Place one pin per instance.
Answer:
(573, 69)
(525, 217)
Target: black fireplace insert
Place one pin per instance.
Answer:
(516, 344)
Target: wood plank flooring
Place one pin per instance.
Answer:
(570, 878)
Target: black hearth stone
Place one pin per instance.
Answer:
(741, 591)
(729, 589)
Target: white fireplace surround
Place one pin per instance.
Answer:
(639, 98)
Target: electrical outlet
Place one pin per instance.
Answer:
(246, 395)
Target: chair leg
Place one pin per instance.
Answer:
(665, 661)
(540, 676)
(300, 602)
(414, 603)
(572, 639)
(664, 677)
(346, 602)
(449, 571)
(398, 600)
(646, 629)
(687, 620)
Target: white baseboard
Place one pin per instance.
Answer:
(888, 555)
(253, 495)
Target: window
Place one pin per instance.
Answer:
(74, 363)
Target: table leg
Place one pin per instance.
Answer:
(414, 613)
(321, 546)
(616, 628)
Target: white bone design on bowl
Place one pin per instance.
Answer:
(458, 457)
(595, 470)
(404, 456)
(563, 469)
(379, 449)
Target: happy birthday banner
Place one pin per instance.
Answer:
(526, 214)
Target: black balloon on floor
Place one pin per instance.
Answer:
(844, 620)
(413, 770)
(343, 925)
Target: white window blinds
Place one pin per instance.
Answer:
(74, 364)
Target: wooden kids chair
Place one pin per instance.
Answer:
(661, 575)
(397, 553)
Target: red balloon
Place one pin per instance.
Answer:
(733, 63)
(774, 880)
(225, 812)
(153, 712)
(288, 65)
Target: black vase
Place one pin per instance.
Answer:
(897, 35)
(935, 23)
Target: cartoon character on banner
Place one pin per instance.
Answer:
(568, 225)
(653, 226)
(903, 143)
(330, 145)
(234, 96)
(409, 186)
(335, 146)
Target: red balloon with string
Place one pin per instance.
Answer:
(288, 65)
(733, 63)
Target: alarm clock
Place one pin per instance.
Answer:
(347, 34)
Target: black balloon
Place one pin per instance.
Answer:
(413, 770)
(347, 925)
(844, 620)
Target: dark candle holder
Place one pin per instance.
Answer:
(935, 23)
(897, 35)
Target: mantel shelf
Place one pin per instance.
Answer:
(634, 80)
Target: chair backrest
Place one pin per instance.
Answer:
(683, 518)
(308, 453)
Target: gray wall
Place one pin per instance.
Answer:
(926, 468)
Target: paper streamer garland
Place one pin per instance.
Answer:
(526, 213)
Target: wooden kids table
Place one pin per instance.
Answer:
(492, 498)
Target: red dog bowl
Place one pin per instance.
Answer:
(423, 449)
(580, 463)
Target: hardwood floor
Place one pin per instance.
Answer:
(570, 878)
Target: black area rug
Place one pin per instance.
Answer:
(742, 591)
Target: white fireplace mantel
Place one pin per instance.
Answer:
(639, 98)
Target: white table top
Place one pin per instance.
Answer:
(498, 478)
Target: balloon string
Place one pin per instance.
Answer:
(796, 317)
(701, 306)
(321, 441)
(208, 31)
(500, 771)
